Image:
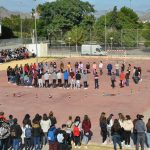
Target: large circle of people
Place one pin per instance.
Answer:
(72, 75)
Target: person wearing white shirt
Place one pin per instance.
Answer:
(109, 125)
(101, 67)
(81, 67)
(128, 128)
(46, 78)
(26, 140)
(45, 125)
(117, 66)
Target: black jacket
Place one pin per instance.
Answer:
(16, 131)
(78, 76)
(36, 130)
(116, 131)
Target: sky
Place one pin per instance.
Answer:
(27, 5)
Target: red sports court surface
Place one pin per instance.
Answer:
(130, 100)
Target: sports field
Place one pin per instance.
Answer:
(129, 100)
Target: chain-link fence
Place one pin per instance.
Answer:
(134, 41)
(64, 51)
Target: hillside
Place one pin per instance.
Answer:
(7, 13)
(143, 15)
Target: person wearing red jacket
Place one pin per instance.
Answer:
(26, 69)
(122, 79)
(86, 126)
(2, 117)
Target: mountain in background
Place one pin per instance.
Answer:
(7, 13)
(143, 15)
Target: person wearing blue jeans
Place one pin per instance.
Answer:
(116, 140)
(148, 133)
(127, 78)
(16, 144)
(141, 129)
(109, 68)
(15, 132)
(96, 80)
(116, 132)
(36, 143)
(36, 133)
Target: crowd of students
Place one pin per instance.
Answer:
(43, 130)
(74, 75)
(16, 54)
(120, 131)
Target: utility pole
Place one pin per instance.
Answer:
(111, 38)
(121, 37)
(21, 26)
(35, 24)
(61, 32)
(90, 43)
(105, 33)
(137, 37)
(69, 46)
(76, 40)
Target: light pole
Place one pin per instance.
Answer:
(61, 32)
(111, 38)
(35, 23)
(105, 32)
(21, 26)
(137, 37)
(121, 37)
(76, 40)
(69, 46)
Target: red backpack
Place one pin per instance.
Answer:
(76, 131)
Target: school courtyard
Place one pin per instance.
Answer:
(18, 100)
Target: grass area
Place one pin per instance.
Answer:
(29, 61)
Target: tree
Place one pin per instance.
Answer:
(14, 23)
(128, 19)
(76, 35)
(64, 15)
(146, 34)
(6, 33)
(114, 18)
(125, 19)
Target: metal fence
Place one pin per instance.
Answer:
(64, 51)
(17, 41)
(73, 51)
(10, 42)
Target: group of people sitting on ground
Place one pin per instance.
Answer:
(42, 131)
(74, 75)
(16, 54)
(120, 131)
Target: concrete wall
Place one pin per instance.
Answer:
(11, 47)
(42, 49)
